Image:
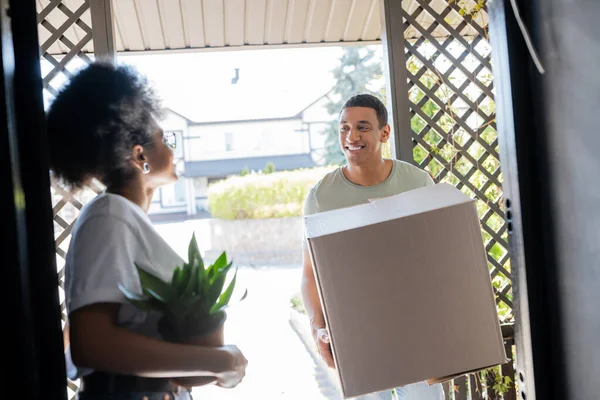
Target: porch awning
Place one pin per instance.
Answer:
(195, 25)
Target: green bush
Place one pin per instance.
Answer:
(297, 304)
(259, 196)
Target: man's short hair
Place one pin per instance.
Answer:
(369, 101)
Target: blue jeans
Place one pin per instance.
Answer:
(183, 395)
(415, 391)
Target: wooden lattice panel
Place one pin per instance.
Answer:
(64, 25)
(453, 124)
(453, 119)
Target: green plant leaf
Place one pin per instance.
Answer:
(200, 276)
(154, 283)
(141, 301)
(215, 289)
(185, 277)
(243, 296)
(193, 295)
(155, 296)
(130, 295)
(194, 257)
(191, 284)
(219, 263)
(176, 276)
(225, 296)
(221, 271)
(177, 283)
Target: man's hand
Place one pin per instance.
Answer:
(323, 342)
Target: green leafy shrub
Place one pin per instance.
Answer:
(260, 196)
(297, 304)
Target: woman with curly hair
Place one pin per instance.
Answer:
(102, 125)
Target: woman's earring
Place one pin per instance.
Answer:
(146, 168)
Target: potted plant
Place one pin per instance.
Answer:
(193, 304)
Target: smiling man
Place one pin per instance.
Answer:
(363, 129)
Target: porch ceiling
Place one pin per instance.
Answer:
(195, 25)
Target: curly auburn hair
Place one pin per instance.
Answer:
(94, 122)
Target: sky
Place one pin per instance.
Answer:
(193, 79)
(197, 84)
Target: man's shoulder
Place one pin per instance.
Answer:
(404, 168)
(326, 184)
(326, 181)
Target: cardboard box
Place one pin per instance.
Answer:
(405, 288)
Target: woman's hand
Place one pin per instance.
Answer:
(231, 371)
(193, 381)
(235, 369)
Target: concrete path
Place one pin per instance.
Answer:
(280, 367)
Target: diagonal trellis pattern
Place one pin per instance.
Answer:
(453, 120)
(452, 110)
(65, 24)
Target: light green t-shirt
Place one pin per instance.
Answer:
(335, 191)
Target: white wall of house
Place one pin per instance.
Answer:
(317, 112)
(246, 139)
(170, 198)
(230, 140)
(173, 121)
(174, 197)
(318, 119)
(200, 185)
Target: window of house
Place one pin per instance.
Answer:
(228, 141)
(173, 195)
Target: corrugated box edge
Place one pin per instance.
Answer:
(325, 315)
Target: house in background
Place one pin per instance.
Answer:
(217, 139)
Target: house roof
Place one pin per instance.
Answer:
(224, 167)
(235, 103)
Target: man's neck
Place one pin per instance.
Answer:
(368, 175)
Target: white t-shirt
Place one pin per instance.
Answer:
(110, 236)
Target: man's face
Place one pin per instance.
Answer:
(360, 135)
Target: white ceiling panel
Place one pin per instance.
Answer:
(151, 24)
(195, 25)
(235, 22)
(255, 21)
(276, 20)
(359, 15)
(296, 21)
(171, 18)
(338, 18)
(214, 22)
